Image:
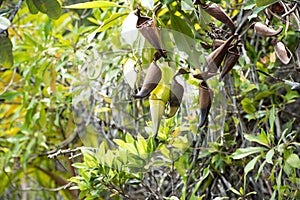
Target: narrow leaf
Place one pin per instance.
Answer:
(244, 152)
(250, 166)
(112, 21)
(93, 4)
(260, 3)
(260, 139)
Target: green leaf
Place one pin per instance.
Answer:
(89, 158)
(249, 167)
(249, 5)
(112, 21)
(50, 7)
(79, 166)
(129, 138)
(294, 161)
(206, 172)
(248, 106)
(94, 4)
(260, 3)
(4, 23)
(260, 139)
(244, 152)
(6, 56)
(32, 8)
(43, 119)
(181, 26)
(255, 11)
(272, 118)
(290, 95)
(184, 40)
(264, 94)
(10, 95)
(119, 142)
(269, 156)
(261, 167)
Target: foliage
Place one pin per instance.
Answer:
(70, 128)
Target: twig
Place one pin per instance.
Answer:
(10, 83)
(290, 11)
(63, 187)
(294, 85)
(14, 12)
(66, 151)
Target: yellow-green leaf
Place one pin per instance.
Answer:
(93, 4)
(262, 138)
(248, 106)
(112, 21)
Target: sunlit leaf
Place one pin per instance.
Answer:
(4, 23)
(270, 155)
(250, 165)
(112, 21)
(294, 161)
(94, 4)
(244, 152)
(262, 138)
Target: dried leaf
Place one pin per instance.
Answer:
(297, 52)
(217, 43)
(176, 93)
(152, 79)
(230, 60)
(282, 52)
(205, 45)
(205, 99)
(263, 30)
(217, 12)
(216, 57)
(204, 75)
(148, 29)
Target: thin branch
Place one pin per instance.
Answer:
(14, 12)
(294, 85)
(68, 151)
(63, 187)
(10, 83)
